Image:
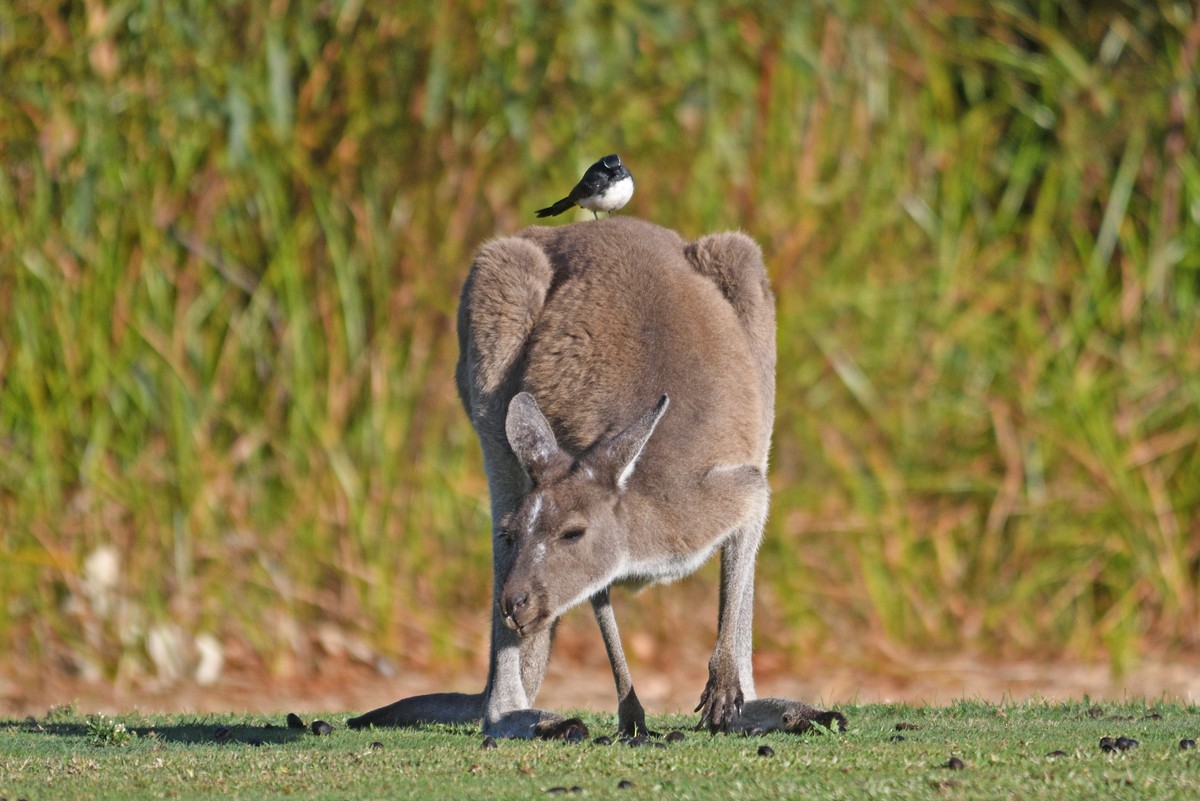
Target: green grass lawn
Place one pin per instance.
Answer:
(889, 751)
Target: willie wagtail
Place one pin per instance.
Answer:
(606, 186)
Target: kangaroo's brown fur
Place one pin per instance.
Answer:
(621, 381)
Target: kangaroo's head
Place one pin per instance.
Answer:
(567, 534)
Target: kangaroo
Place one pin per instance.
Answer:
(621, 382)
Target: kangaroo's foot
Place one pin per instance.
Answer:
(419, 710)
(537, 724)
(764, 715)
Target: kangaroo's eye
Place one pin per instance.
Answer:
(572, 534)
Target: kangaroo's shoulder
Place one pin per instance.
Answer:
(733, 261)
(501, 300)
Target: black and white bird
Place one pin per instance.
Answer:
(606, 186)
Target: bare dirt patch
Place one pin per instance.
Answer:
(587, 684)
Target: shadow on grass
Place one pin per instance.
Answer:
(189, 733)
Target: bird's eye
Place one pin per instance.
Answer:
(572, 534)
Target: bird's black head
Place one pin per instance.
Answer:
(612, 162)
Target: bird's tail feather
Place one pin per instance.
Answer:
(557, 209)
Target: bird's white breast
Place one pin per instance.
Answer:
(612, 198)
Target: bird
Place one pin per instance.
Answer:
(606, 186)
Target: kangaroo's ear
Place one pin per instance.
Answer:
(619, 455)
(529, 435)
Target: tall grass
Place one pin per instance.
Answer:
(231, 239)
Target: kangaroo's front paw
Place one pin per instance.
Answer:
(635, 727)
(720, 704)
(631, 717)
(572, 730)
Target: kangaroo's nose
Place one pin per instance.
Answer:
(511, 606)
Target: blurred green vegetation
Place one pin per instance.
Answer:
(232, 236)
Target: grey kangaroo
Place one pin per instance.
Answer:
(622, 383)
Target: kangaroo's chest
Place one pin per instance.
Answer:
(666, 569)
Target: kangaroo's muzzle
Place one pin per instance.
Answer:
(522, 612)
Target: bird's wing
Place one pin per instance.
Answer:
(592, 182)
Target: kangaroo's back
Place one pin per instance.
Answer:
(628, 318)
(598, 319)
